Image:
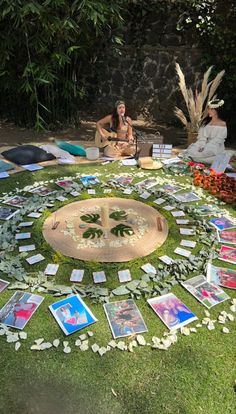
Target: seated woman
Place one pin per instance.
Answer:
(121, 124)
(211, 136)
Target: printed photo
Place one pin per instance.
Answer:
(3, 284)
(228, 237)
(65, 184)
(207, 293)
(222, 223)
(16, 201)
(221, 276)
(228, 254)
(172, 311)
(19, 309)
(124, 318)
(170, 189)
(124, 179)
(88, 180)
(72, 314)
(42, 191)
(148, 183)
(7, 213)
(186, 197)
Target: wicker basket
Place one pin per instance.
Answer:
(192, 137)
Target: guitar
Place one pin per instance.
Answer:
(109, 137)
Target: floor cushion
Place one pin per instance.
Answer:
(27, 154)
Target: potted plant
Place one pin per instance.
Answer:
(196, 101)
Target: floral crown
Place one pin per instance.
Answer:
(119, 102)
(215, 103)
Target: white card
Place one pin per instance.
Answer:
(166, 259)
(35, 259)
(127, 191)
(182, 221)
(75, 193)
(188, 243)
(107, 190)
(77, 275)
(27, 248)
(26, 224)
(99, 277)
(4, 174)
(61, 198)
(145, 195)
(159, 201)
(169, 208)
(51, 269)
(129, 161)
(124, 276)
(32, 167)
(177, 213)
(182, 252)
(22, 236)
(148, 268)
(91, 191)
(187, 232)
(34, 214)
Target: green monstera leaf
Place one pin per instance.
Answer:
(122, 230)
(118, 215)
(92, 232)
(90, 218)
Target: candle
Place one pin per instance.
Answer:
(159, 224)
(105, 216)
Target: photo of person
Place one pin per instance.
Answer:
(16, 201)
(186, 197)
(228, 237)
(7, 213)
(3, 284)
(172, 311)
(124, 318)
(222, 223)
(221, 276)
(42, 191)
(72, 314)
(89, 180)
(228, 254)
(170, 189)
(65, 184)
(207, 293)
(19, 309)
(148, 183)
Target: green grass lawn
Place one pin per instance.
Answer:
(195, 375)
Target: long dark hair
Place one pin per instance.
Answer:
(115, 116)
(220, 113)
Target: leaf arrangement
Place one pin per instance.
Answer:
(90, 218)
(92, 233)
(118, 215)
(122, 230)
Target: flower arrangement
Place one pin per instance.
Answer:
(219, 185)
(196, 101)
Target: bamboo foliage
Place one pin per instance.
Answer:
(196, 102)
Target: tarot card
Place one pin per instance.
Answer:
(221, 276)
(75, 193)
(34, 214)
(77, 275)
(178, 213)
(147, 183)
(128, 191)
(228, 237)
(35, 259)
(27, 248)
(182, 221)
(172, 311)
(228, 254)
(207, 293)
(26, 224)
(182, 252)
(22, 236)
(7, 213)
(4, 174)
(91, 191)
(65, 184)
(170, 189)
(169, 208)
(88, 180)
(186, 197)
(51, 269)
(188, 243)
(148, 268)
(124, 318)
(32, 167)
(222, 223)
(3, 284)
(145, 195)
(124, 276)
(42, 191)
(166, 259)
(187, 231)
(16, 201)
(159, 201)
(99, 277)
(72, 314)
(19, 309)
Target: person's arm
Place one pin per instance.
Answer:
(100, 124)
(130, 130)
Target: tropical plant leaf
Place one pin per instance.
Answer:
(118, 215)
(122, 230)
(92, 232)
(90, 218)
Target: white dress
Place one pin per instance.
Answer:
(210, 142)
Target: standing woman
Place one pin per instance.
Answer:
(211, 136)
(121, 124)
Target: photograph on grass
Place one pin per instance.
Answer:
(221, 276)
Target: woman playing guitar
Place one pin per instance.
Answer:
(123, 144)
